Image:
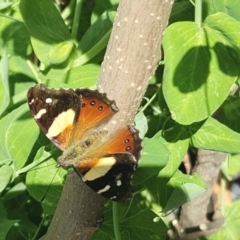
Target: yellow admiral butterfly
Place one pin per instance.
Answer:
(72, 120)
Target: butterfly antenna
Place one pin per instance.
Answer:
(45, 194)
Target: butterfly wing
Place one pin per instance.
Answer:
(64, 115)
(95, 109)
(55, 111)
(111, 174)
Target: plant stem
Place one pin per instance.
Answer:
(149, 102)
(198, 12)
(76, 19)
(32, 68)
(223, 188)
(116, 221)
(39, 227)
(92, 52)
(33, 164)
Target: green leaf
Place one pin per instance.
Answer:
(143, 226)
(182, 11)
(3, 212)
(226, 30)
(5, 176)
(136, 222)
(183, 188)
(215, 136)
(141, 123)
(230, 229)
(154, 157)
(83, 76)
(228, 7)
(230, 167)
(231, 113)
(15, 191)
(14, 38)
(4, 86)
(45, 182)
(102, 234)
(4, 5)
(200, 69)
(5, 226)
(159, 183)
(59, 53)
(101, 6)
(20, 133)
(94, 40)
(45, 25)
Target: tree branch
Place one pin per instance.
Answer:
(131, 59)
(200, 223)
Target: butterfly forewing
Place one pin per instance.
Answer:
(55, 111)
(95, 109)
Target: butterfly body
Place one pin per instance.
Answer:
(73, 120)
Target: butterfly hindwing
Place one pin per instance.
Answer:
(110, 174)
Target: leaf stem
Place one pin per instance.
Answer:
(76, 19)
(198, 12)
(149, 102)
(39, 227)
(116, 221)
(223, 189)
(34, 72)
(34, 164)
(91, 53)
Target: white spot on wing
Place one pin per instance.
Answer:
(61, 122)
(48, 100)
(40, 113)
(100, 169)
(106, 188)
(31, 102)
(119, 183)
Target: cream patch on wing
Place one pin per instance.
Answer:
(61, 122)
(40, 113)
(100, 169)
(106, 188)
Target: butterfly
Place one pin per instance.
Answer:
(72, 120)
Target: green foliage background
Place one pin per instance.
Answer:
(200, 69)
